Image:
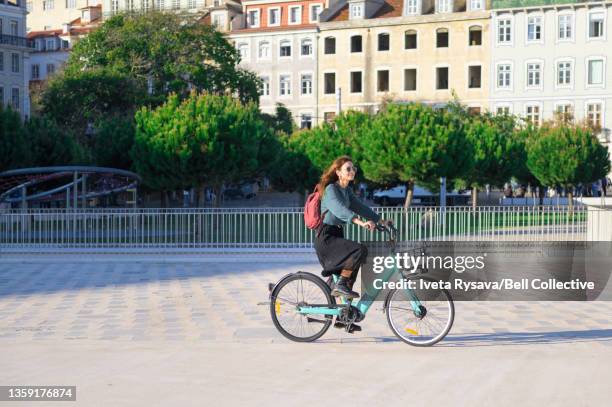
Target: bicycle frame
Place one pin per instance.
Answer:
(367, 299)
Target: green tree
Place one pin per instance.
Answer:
(166, 53)
(293, 170)
(205, 140)
(565, 156)
(48, 145)
(113, 140)
(76, 100)
(407, 143)
(281, 121)
(494, 150)
(13, 151)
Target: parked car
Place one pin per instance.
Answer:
(421, 196)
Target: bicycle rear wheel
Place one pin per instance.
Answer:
(300, 289)
(430, 324)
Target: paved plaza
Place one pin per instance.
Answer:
(143, 330)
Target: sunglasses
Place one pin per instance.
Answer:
(350, 169)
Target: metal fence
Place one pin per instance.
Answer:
(260, 228)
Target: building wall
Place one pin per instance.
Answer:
(549, 51)
(265, 7)
(44, 59)
(274, 66)
(110, 7)
(425, 59)
(51, 14)
(10, 80)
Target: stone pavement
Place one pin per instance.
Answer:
(197, 331)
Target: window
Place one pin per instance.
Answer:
(216, 3)
(35, 72)
(329, 116)
(265, 86)
(284, 85)
(474, 110)
(534, 74)
(306, 121)
(564, 73)
(1, 61)
(29, 6)
(356, 82)
(130, 5)
(595, 72)
(218, 20)
(564, 112)
(191, 4)
(593, 115)
(504, 74)
(295, 15)
(50, 69)
(263, 50)
(410, 39)
(176, 4)
(504, 31)
(14, 28)
(306, 47)
(383, 41)
(443, 6)
(315, 10)
(15, 63)
(50, 44)
(412, 7)
(534, 28)
(532, 114)
(48, 4)
(410, 78)
(475, 36)
(285, 48)
(382, 81)
(15, 98)
(356, 10)
(356, 43)
(253, 18)
(475, 4)
(306, 82)
(330, 45)
(329, 83)
(474, 76)
(442, 78)
(274, 16)
(565, 27)
(442, 38)
(596, 25)
(503, 110)
(243, 49)
(1, 96)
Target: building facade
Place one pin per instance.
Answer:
(403, 50)
(46, 15)
(14, 56)
(553, 59)
(111, 7)
(51, 47)
(278, 41)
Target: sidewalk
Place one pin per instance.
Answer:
(198, 332)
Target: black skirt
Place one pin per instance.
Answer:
(337, 253)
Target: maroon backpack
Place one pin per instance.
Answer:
(312, 211)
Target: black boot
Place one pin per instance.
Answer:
(343, 289)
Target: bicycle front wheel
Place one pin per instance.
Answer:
(300, 289)
(420, 317)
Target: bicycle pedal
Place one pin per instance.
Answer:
(353, 328)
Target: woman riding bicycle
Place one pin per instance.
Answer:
(339, 205)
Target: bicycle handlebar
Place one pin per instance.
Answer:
(390, 229)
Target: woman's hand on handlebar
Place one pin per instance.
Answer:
(369, 225)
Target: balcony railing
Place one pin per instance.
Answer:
(503, 4)
(15, 41)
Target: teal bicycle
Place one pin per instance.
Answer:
(302, 307)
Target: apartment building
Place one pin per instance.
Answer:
(14, 56)
(47, 15)
(278, 41)
(51, 47)
(403, 50)
(553, 57)
(111, 7)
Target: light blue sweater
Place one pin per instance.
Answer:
(342, 206)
